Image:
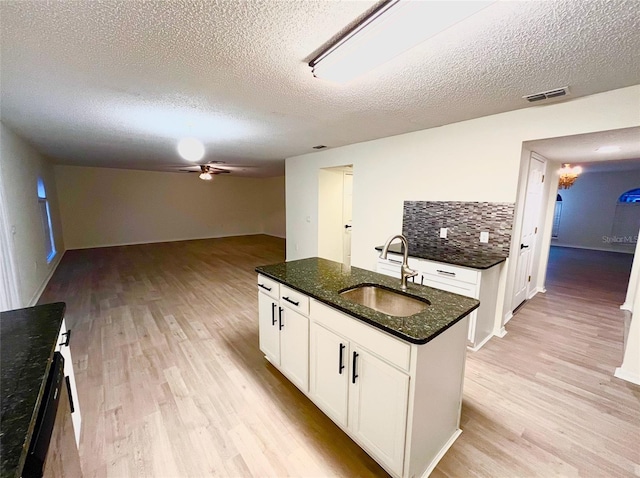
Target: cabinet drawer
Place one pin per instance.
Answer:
(294, 300)
(388, 269)
(391, 349)
(438, 269)
(269, 287)
(462, 288)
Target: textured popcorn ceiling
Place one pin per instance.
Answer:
(581, 149)
(116, 83)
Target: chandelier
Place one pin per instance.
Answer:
(568, 176)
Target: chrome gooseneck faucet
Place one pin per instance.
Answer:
(405, 271)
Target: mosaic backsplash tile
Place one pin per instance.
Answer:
(422, 220)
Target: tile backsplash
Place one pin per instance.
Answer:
(422, 220)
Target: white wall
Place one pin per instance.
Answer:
(588, 210)
(475, 160)
(273, 203)
(104, 207)
(21, 166)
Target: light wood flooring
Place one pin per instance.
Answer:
(172, 383)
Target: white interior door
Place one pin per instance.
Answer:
(531, 218)
(347, 194)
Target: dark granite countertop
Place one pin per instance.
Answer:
(450, 255)
(323, 280)
(27, 341)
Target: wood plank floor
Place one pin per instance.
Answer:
(172, 383)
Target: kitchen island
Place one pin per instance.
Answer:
(393, 384)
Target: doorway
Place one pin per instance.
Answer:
(335, 199)
(552, 228)
(587, 251)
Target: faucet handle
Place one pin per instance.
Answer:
(408, 272)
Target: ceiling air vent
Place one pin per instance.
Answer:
(547, 95)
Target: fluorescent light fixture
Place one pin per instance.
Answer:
(608, 149)
(393, 28)
(191, 149)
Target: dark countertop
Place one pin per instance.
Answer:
(450, 255)
(323, 279)
(27, 341)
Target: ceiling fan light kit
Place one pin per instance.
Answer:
(207, 172)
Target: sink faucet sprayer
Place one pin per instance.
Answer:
(405, 271)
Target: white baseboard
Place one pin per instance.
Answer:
(628, 376)
(626, 306)
(36, 297)
(602, 249)
(441, 453)
(501, 333)
(481, 344)
(535, 292)
(97, 246)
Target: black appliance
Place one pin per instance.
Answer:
(33, 467)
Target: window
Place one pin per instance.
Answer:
(626, 221)
(630, 196)
(45, 217)
(556, 217)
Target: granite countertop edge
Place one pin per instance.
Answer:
(331, 297)
(473, 260)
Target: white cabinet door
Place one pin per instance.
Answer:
(269, 319)
(329, 372)
(378, 397)
(64, 339)
(294, 347)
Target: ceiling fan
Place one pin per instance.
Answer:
(206, 171)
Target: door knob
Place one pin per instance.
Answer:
(522, 246)
(347, 226)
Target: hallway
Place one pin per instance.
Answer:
(587, 274)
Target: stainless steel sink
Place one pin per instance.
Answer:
(384, 300)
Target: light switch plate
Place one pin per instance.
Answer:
(484, 237)
(443, 232)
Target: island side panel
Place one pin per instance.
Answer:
(487, 312)
(435, 399)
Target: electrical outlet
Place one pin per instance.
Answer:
(484, 237)
(443, 232)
